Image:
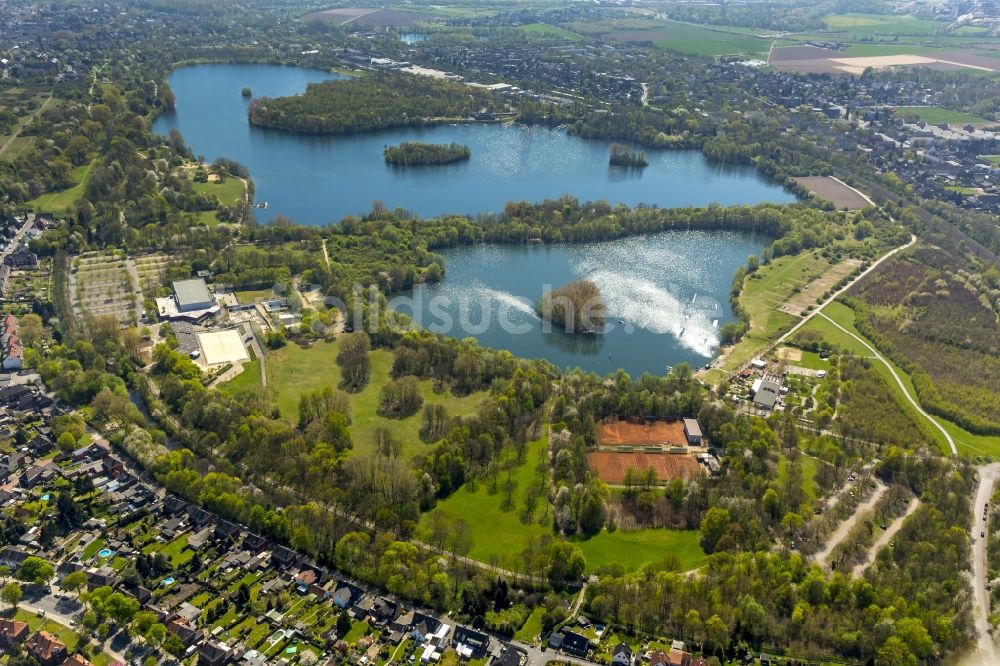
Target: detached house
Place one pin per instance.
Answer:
(46, 648)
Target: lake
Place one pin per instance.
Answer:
(321, 179)
(667, 296)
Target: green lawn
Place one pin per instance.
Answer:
(293, 370)
(634, 549)
(546, 30)
(532, 626)
(993, 159)
(62, 632)
(358, 630)
(936, 115)
(487, 518)
(251, 295)
(698, 40)
(59, 202)
(229, 191)
(92, 548)
(247, 380)
(809, 466)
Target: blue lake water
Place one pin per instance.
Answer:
(667, 296)
(321, 179)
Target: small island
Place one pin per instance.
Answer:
(621, 155)
(576, 307)
(415, 153)
(247, 92)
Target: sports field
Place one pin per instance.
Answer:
(643, 433)
(611, 466)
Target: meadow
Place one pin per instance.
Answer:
(62, 202)
(936, 115)
(486, 515)
(293, 370)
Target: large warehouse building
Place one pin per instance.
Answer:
(192, 295)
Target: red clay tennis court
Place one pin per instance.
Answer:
(644, 433)
(610, 466)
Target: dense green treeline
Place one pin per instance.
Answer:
(410, 153)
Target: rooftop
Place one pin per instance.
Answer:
(191, 292)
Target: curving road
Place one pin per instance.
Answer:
(985, 649)
(902, 387)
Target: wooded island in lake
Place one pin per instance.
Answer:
(621, 155)
(416, 153)
(576, 307)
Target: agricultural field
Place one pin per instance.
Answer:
(837, 193)
(674, 36)
(293, 370)
(370, 17)
(855, 26)
(937, 115)
(545, 30)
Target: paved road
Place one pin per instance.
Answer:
(985, 649)
(836, 294)
(58, 610)
(902, 387)
(133, 273)
(885, 538)
(860, 512)
(15, 242)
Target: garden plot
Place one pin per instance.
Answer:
(101, 285)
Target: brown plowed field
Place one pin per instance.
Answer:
(610, 466)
